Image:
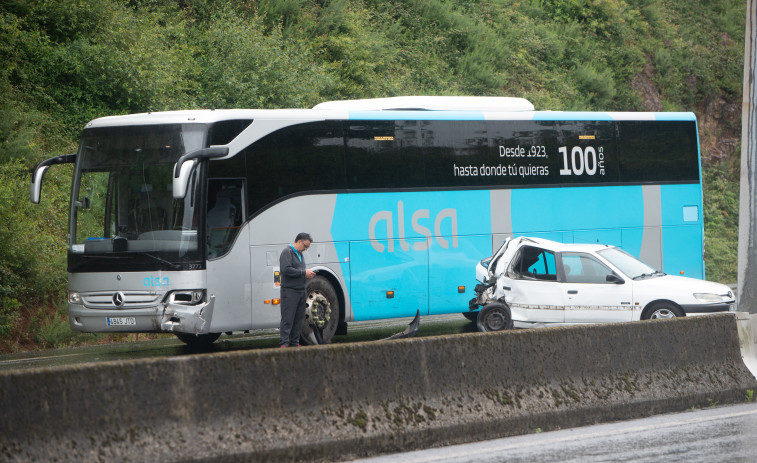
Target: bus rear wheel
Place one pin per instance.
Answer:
(321, 311)
(198, 341)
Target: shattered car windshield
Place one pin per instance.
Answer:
(628, 264)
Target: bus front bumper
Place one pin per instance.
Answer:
(168, 317)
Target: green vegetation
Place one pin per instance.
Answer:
(66, 62)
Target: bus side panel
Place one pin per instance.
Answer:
(682, 225)
(401, 230)
(388, 284)
(277, 226)
(651, 237)
(264, 266)
(592, 214)
(613, 237)
(452, 273)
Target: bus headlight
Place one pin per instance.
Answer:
(710, 298)
(74, 297)
(187, 297)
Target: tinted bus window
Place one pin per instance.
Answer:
(305, 157)
(526, 150)
(586, 152)
(457, 153)
(654, 151)
(384, 154)
(221, 133)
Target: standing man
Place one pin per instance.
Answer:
(294, 277)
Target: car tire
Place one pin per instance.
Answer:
(660, 310)
(494, 316)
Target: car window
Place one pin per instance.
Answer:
(582, 268)
(627, 263)
(534, 263)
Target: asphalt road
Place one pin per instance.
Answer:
(713, 435)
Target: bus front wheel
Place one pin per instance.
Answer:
(321, 311)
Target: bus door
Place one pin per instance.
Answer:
(228, 264)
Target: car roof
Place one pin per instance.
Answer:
(563, 247)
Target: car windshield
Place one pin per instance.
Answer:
(628, 264)
(123, 213)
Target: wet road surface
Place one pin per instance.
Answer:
(712, 435)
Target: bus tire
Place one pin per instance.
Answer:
(494, 316)
(322, 310)
(198, 341)
(662, 310)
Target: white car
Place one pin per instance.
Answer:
(532, 282)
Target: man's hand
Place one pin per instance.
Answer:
(309, 273)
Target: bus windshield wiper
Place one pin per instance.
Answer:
(161, 260)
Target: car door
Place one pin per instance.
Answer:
(531, 288)
(590, 296)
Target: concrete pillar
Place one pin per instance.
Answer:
(747, 276)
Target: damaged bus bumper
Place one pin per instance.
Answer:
(172, 317)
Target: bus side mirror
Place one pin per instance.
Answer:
(186, 163)
(35, 188)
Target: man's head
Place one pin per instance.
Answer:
(302, 241)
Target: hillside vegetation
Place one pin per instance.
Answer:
(66, 62)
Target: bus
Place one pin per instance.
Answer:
(177, 219)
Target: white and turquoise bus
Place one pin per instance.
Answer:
(177, 219)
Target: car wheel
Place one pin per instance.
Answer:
(662, 310)
(322, 310)
(198, 341)
(494, 316)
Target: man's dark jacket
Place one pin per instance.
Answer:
(292, 269)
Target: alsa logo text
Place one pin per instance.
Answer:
(154, 281)
(420, 222)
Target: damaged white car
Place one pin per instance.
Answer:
(533, 282)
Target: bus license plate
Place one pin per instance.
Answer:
(121, 321)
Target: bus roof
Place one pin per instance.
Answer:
(394, 108)
(432, 103)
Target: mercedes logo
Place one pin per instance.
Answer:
(118, 299)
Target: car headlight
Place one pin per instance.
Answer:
(710, 298)
(74, 297)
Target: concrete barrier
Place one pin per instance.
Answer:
(344, 401)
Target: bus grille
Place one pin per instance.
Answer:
(120, 299)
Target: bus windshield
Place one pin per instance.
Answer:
(123, 214)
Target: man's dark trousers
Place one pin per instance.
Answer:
(292, 314)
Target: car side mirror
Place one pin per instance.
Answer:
(612, 278)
